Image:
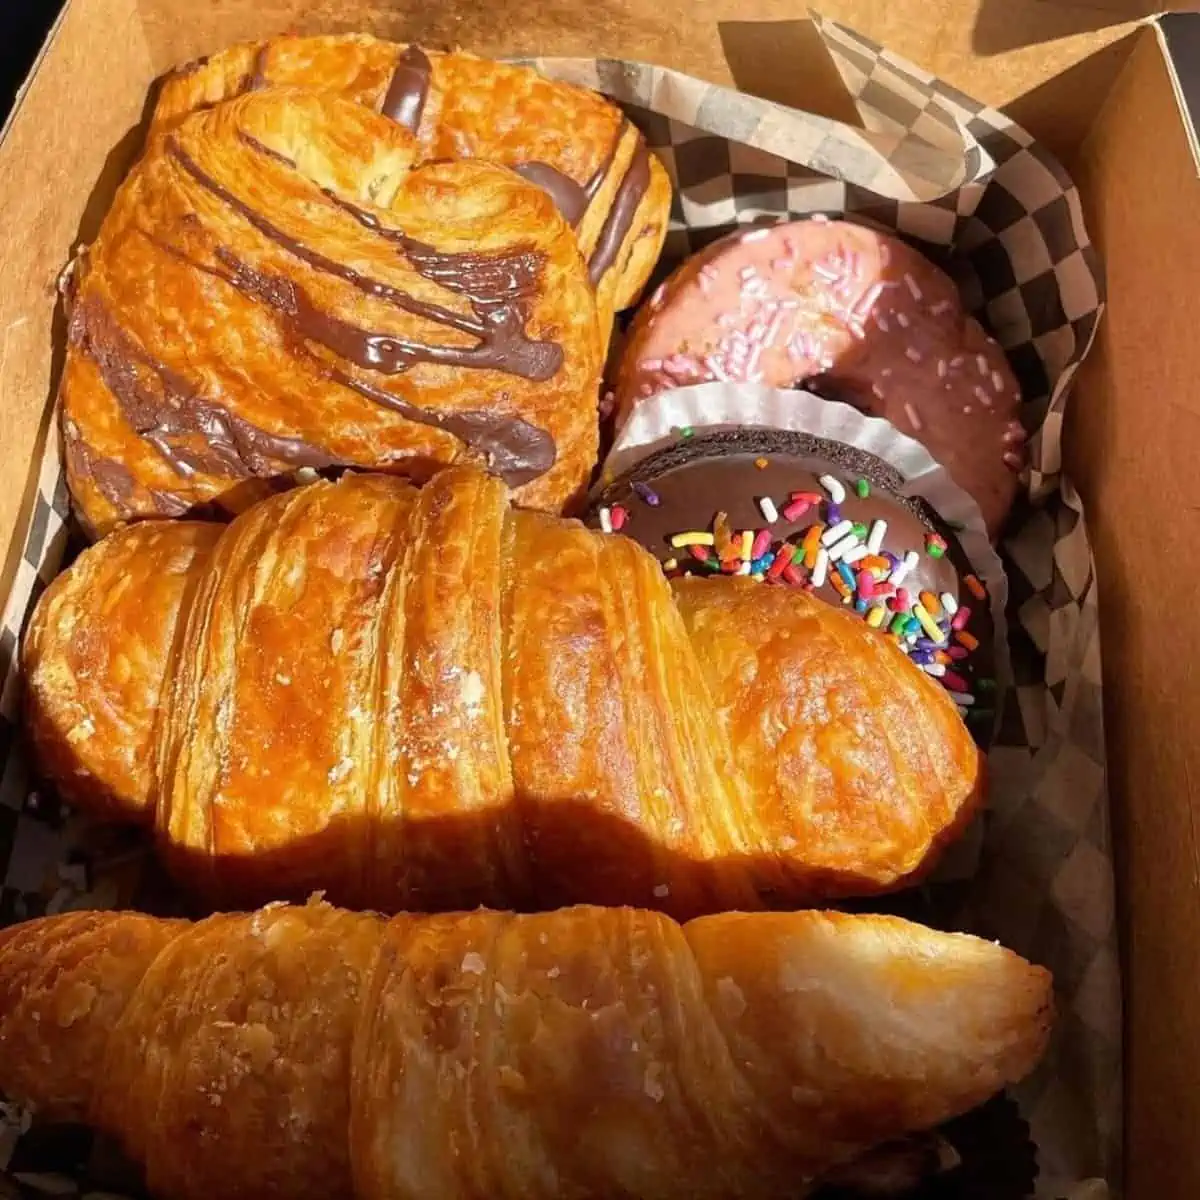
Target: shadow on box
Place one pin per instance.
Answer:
(996, 31)
(762, 58)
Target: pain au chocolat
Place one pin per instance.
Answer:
(288, 279)
(572, 142)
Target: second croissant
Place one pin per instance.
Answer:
(426, 699)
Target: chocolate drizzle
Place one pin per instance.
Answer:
(620, 216)
(569, 197)
(113, 480)
(162, 407)
(513, 449)
(497, 287)
(405, 99)
(258, 71)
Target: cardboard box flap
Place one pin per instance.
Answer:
(71, 138)
(1133, 442)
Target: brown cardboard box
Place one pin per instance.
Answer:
(1101, 84)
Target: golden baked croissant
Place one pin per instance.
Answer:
(313, 1052)
(426, 699)
(574, 143)
(279, 284)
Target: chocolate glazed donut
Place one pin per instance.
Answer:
(851, 314)
(250, 308)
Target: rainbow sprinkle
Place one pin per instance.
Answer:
(847, 556)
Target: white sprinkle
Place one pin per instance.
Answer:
(755, 235)
(835, 533)
(650, 364)
(912, 354)
(744, 569)
(869, 297)
(821, 568)
(715, 365)
(942, 368)
(885, 372)
(876, 536)
(746, 274)
(306, 475)
(949, 603)
(904, 568)
(904, 321)
(876, 391)
(911, 284)
(833, 486)
(855, 553)
(770, 513)
(842, 547)
(983, 397)
(937, 670)
(962, 699)
(982, 363)
(657, 298)
(957, 360)
(997, 382)
(662, 891)
(967, 409)
(913, 417)
(473, 964)
(606, 520)
(829, 274)
(881, 322)
(942, 306)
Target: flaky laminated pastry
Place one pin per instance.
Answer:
(574, 143)
(284, 282)
(427, 699)
(589, 1053)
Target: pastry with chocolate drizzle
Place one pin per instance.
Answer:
(573, 143)
(282, 283)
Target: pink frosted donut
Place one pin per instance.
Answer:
(853, 314)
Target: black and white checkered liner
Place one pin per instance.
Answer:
(979, 196)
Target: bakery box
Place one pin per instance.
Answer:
(1108, 88)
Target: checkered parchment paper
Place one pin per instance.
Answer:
(981, 198)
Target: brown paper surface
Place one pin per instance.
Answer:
(1133, 443)
(68, 138)
(995, 50)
